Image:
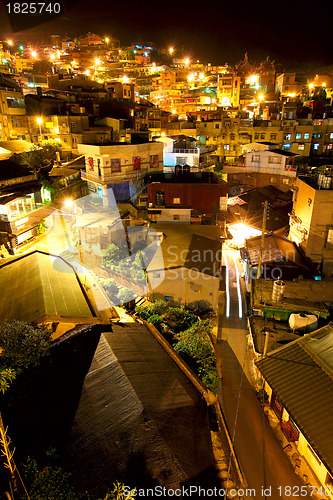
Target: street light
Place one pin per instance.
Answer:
(34, 54)
(10, 42)
(107, 40)
(171, 51)
(39, 121)
(187, 61)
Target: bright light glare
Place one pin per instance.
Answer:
(261, 97)
(33, 54)
(242, 232)
(253, 80)
(39, 120)
(10, 42)
(171, 50)
(69, 203)
(187, 61)
(125, 79)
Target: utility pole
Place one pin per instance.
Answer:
(263, 231)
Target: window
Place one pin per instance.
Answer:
(176, 201)
(285, 181)
(301, 147)
(262, 136)
(176, 217)
(74, 140)
(72, 124)
(168, 298)
(226, 147)
(217, 125)
(255, 159)
(256, 136)
(316, 146)
(330, 236)
(115, 165)
(287, 137)
(136, 163)
(91, 163)
(274, 159)
(298, 136)
(180, 160)
(329, 146)
(154, 161)
(331, 135)
(273, 137)
(272, 180)
(306, 135)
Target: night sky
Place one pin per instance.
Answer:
(294, 33)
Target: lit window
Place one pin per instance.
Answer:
(330, 146)
(272, 180)
(286, 146)
(287, 137)
(273, 137)
(306, 135)
(301, 147)
(176, 201)
(316, 146)
(298, 136)
(331, 135)
(226, 147)
(255, 158)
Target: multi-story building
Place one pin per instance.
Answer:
(120, 169)
(311, 220)
(13, 119)
(229, 89)
(286, 85)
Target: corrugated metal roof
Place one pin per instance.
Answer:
(301, 375)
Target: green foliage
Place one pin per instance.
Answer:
(125, 295)
(53, 483)
(195, 342)
(156, 320)
(7, 375)
(179, 319)
(113, 254)
(39, 156)
(110, 286)
(192, 337)
(23, 345)
(41, 228)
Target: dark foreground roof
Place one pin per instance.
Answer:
(301, 375)
(117, 407)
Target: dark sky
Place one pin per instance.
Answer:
(294, 33)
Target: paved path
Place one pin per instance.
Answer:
(260, 454)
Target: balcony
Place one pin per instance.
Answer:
(115, 177)
(186, 151)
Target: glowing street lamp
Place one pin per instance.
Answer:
(34, 54)
(311, 85)
(171, 50)
(10, 42)
(52, 56)
(125, 79)
(107, 40)
(187, 61)
(261, 97)
(40, 121)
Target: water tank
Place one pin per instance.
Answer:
(307, 322)
(278, 290)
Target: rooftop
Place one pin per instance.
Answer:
(118, 408)
(301, 376)
(299, 296)
(43, 285)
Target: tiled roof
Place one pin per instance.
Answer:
(301, 376)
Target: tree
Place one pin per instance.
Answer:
(22, 345)
(40, 156)
(113, 254)
(125, 295)
(196, 342)
(42, 66)
(110, 286)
